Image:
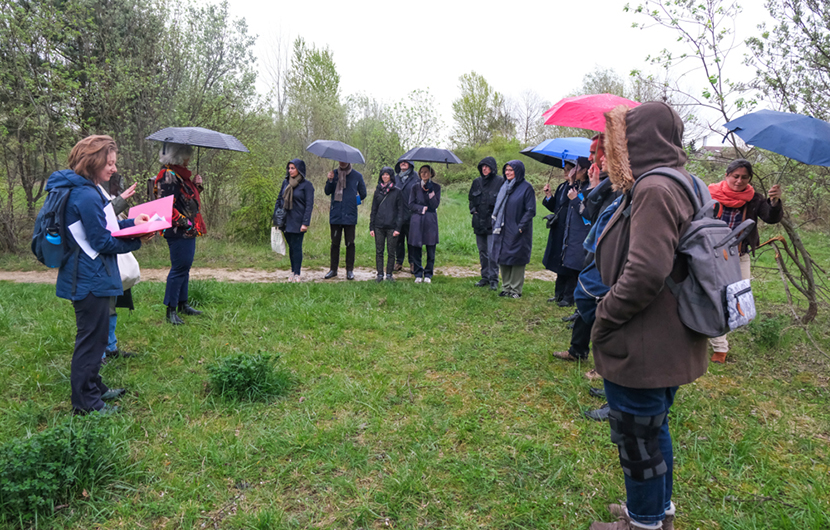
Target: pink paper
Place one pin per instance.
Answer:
(162, 207)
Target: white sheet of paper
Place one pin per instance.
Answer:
(78, 232)
(112, 220)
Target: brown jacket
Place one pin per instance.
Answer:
(639, 341)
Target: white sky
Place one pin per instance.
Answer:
(387, 49)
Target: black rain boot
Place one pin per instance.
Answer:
(173, 317)
(185, 309)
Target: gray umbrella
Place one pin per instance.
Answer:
(198, 137)
(338, 151)
(430, 154)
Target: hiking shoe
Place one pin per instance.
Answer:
(592, 375)
(597, 392)
(600, 414)
(620, 512)
(113, 393)
(719, 357)
(565, 356)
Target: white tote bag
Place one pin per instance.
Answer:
(277, 241)
(130, 272)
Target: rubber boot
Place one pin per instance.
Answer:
(173, 317)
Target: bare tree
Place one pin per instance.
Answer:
(528, 117)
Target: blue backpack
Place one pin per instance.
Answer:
(50, 243)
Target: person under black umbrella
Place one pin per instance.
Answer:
(405, 180)
(424, 200)
(344, 185)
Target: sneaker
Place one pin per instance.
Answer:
(503, 293)
(418, 279)
(719, 357)
(620, 512)
(600, 414)
(379, 278)
(427, 280)
(513, 295)
(592, 375)
(113, 393)
(389, 278)
(482, 283)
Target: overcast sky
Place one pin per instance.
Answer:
(387, 49)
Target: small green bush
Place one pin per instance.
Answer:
(249, 377)
(52, 466)
(766, 331)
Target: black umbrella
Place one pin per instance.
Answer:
(198, 137)
(334, 150)
(430, 154)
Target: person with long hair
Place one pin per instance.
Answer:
(175, 179)
(90, 278)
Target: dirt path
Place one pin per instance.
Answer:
(260, 276)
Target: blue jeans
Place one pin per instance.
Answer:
(646, 500)
(112, 342)
(182, 251)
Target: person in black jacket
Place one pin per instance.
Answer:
(557, 203)
(346, 186)
(424, 199)
(385, 221)
(297, 197)
(405, 179)
(482, 199)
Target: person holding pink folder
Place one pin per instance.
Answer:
(90, 277)
(187, 224)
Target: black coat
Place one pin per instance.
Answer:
(406, 187)
(303, 201)
(345, 212)
(598, 199)
(574, 254)
(388, 211)
(482, 197)
(512, 247)
(423, 227)
(552, 260)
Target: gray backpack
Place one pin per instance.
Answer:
(713, 299)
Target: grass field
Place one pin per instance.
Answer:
(413, 406)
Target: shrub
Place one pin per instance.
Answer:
(52, 466)
(766, 331)
(249, 377)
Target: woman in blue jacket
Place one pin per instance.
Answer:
(513, 228)
(297, 197)
(90, 277)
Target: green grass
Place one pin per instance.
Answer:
(412, 406)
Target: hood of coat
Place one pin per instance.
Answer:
(641, 139)
(518, 170)
(386, 169)
(299, 164)
(411, 170)
(490, 162)
(66, 179)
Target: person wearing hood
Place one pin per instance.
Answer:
(423, 222)
(557, 202)
(482, 200)
(739, 201)
(513, 216)
(405, 180)
(574, 255)
(297, 198)
(174, 179)
(386, 220)
(641, 348)
(344, 185)
(90, 282)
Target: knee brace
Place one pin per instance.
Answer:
(636, 438)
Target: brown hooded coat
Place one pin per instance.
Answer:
(639, 341)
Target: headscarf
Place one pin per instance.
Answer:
(505, 191)
(341, 182)
(722, 193)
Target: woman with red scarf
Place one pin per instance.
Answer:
(740, 201)
(174, 179)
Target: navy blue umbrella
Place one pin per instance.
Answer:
(198, 137)
(795, 136)
(334, 150)
(430, 154)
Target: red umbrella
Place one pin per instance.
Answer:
(585, 112)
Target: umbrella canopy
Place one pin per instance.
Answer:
(198, 137)
(334, 150)
(555, 151)
(585, 112)
(795, 136)
(430, 154)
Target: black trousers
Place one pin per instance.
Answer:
(565, 285)
(581, 338)
(415, 254)
(384, 237)
(336, 232)
(295, 250)
(92, 315)
(403, 244)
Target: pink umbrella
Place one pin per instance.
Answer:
(585, 112)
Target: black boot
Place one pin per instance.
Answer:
(185, 309)
(173, 317)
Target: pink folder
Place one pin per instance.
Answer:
(162, 207)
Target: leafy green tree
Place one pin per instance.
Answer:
(479, 113)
